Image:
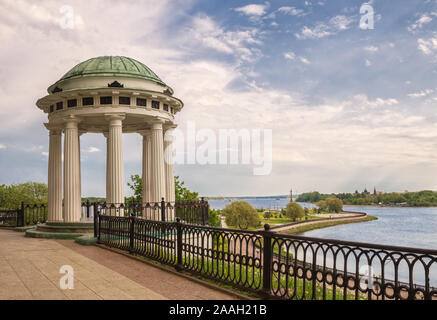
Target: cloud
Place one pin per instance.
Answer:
(239, 42)
(321, 30)
(304, 60)
(368, 63)
(253, 9)
(428, 46)
(421, 94)
(424, 19)
(371, 49)
(292, 56)
(292, 11)
(2, 146)
(93, 150)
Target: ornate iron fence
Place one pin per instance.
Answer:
(193, 212)
(277, 265)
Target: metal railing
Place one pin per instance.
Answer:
(193, 212)
(277, 265)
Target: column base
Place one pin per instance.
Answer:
(61, 230)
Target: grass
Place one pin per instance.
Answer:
(305, 228)
(288, 220)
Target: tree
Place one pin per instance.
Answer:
(294, 211)
(181, 192)
(214, 218)
(241, 214)
(267, 215)
(29, 192)
(136, 185)
(323, 206)
(334, 205)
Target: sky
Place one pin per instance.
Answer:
(349, 108)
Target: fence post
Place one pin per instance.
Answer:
(179, 264)
(202, 210)
(267, 261)
(96, 218)
(22, 215)
(131, 234)
(87, 208)
(163, 210)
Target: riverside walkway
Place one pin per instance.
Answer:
(29, 269)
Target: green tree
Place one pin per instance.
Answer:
(12, 195)
(181, 192)
(241, 214)
(136, 185)
(267, 215)
(334, 205)
(323, 206)
(214, 219)
(294, 211)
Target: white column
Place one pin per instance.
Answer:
(72, 200)
(55, 176)
(157, 163)
(146, 169)
(169, 168)
(108, 185)
(115, 160)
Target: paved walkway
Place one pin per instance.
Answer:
(29, 269)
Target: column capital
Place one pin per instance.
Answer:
(106, 134)
(145, 132)
(170, 126)
(157, 123)
(71, 122)
(53, 129)
(115, 116)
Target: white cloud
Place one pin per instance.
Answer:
(93, 149)
(290, 55)
(428, 46)
(290, 11)
(2, 146)
(321, 30)
(368, 63)
(419, 23)
(304, 60)
(421, 94)
(241, 43)
(45, 154)
(371, 49)
(253, 9)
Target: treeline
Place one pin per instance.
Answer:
(425, 198)
(12, 195)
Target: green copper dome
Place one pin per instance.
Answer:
(112, 66)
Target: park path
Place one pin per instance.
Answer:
(29, 269)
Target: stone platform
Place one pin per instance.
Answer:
(58, 230)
